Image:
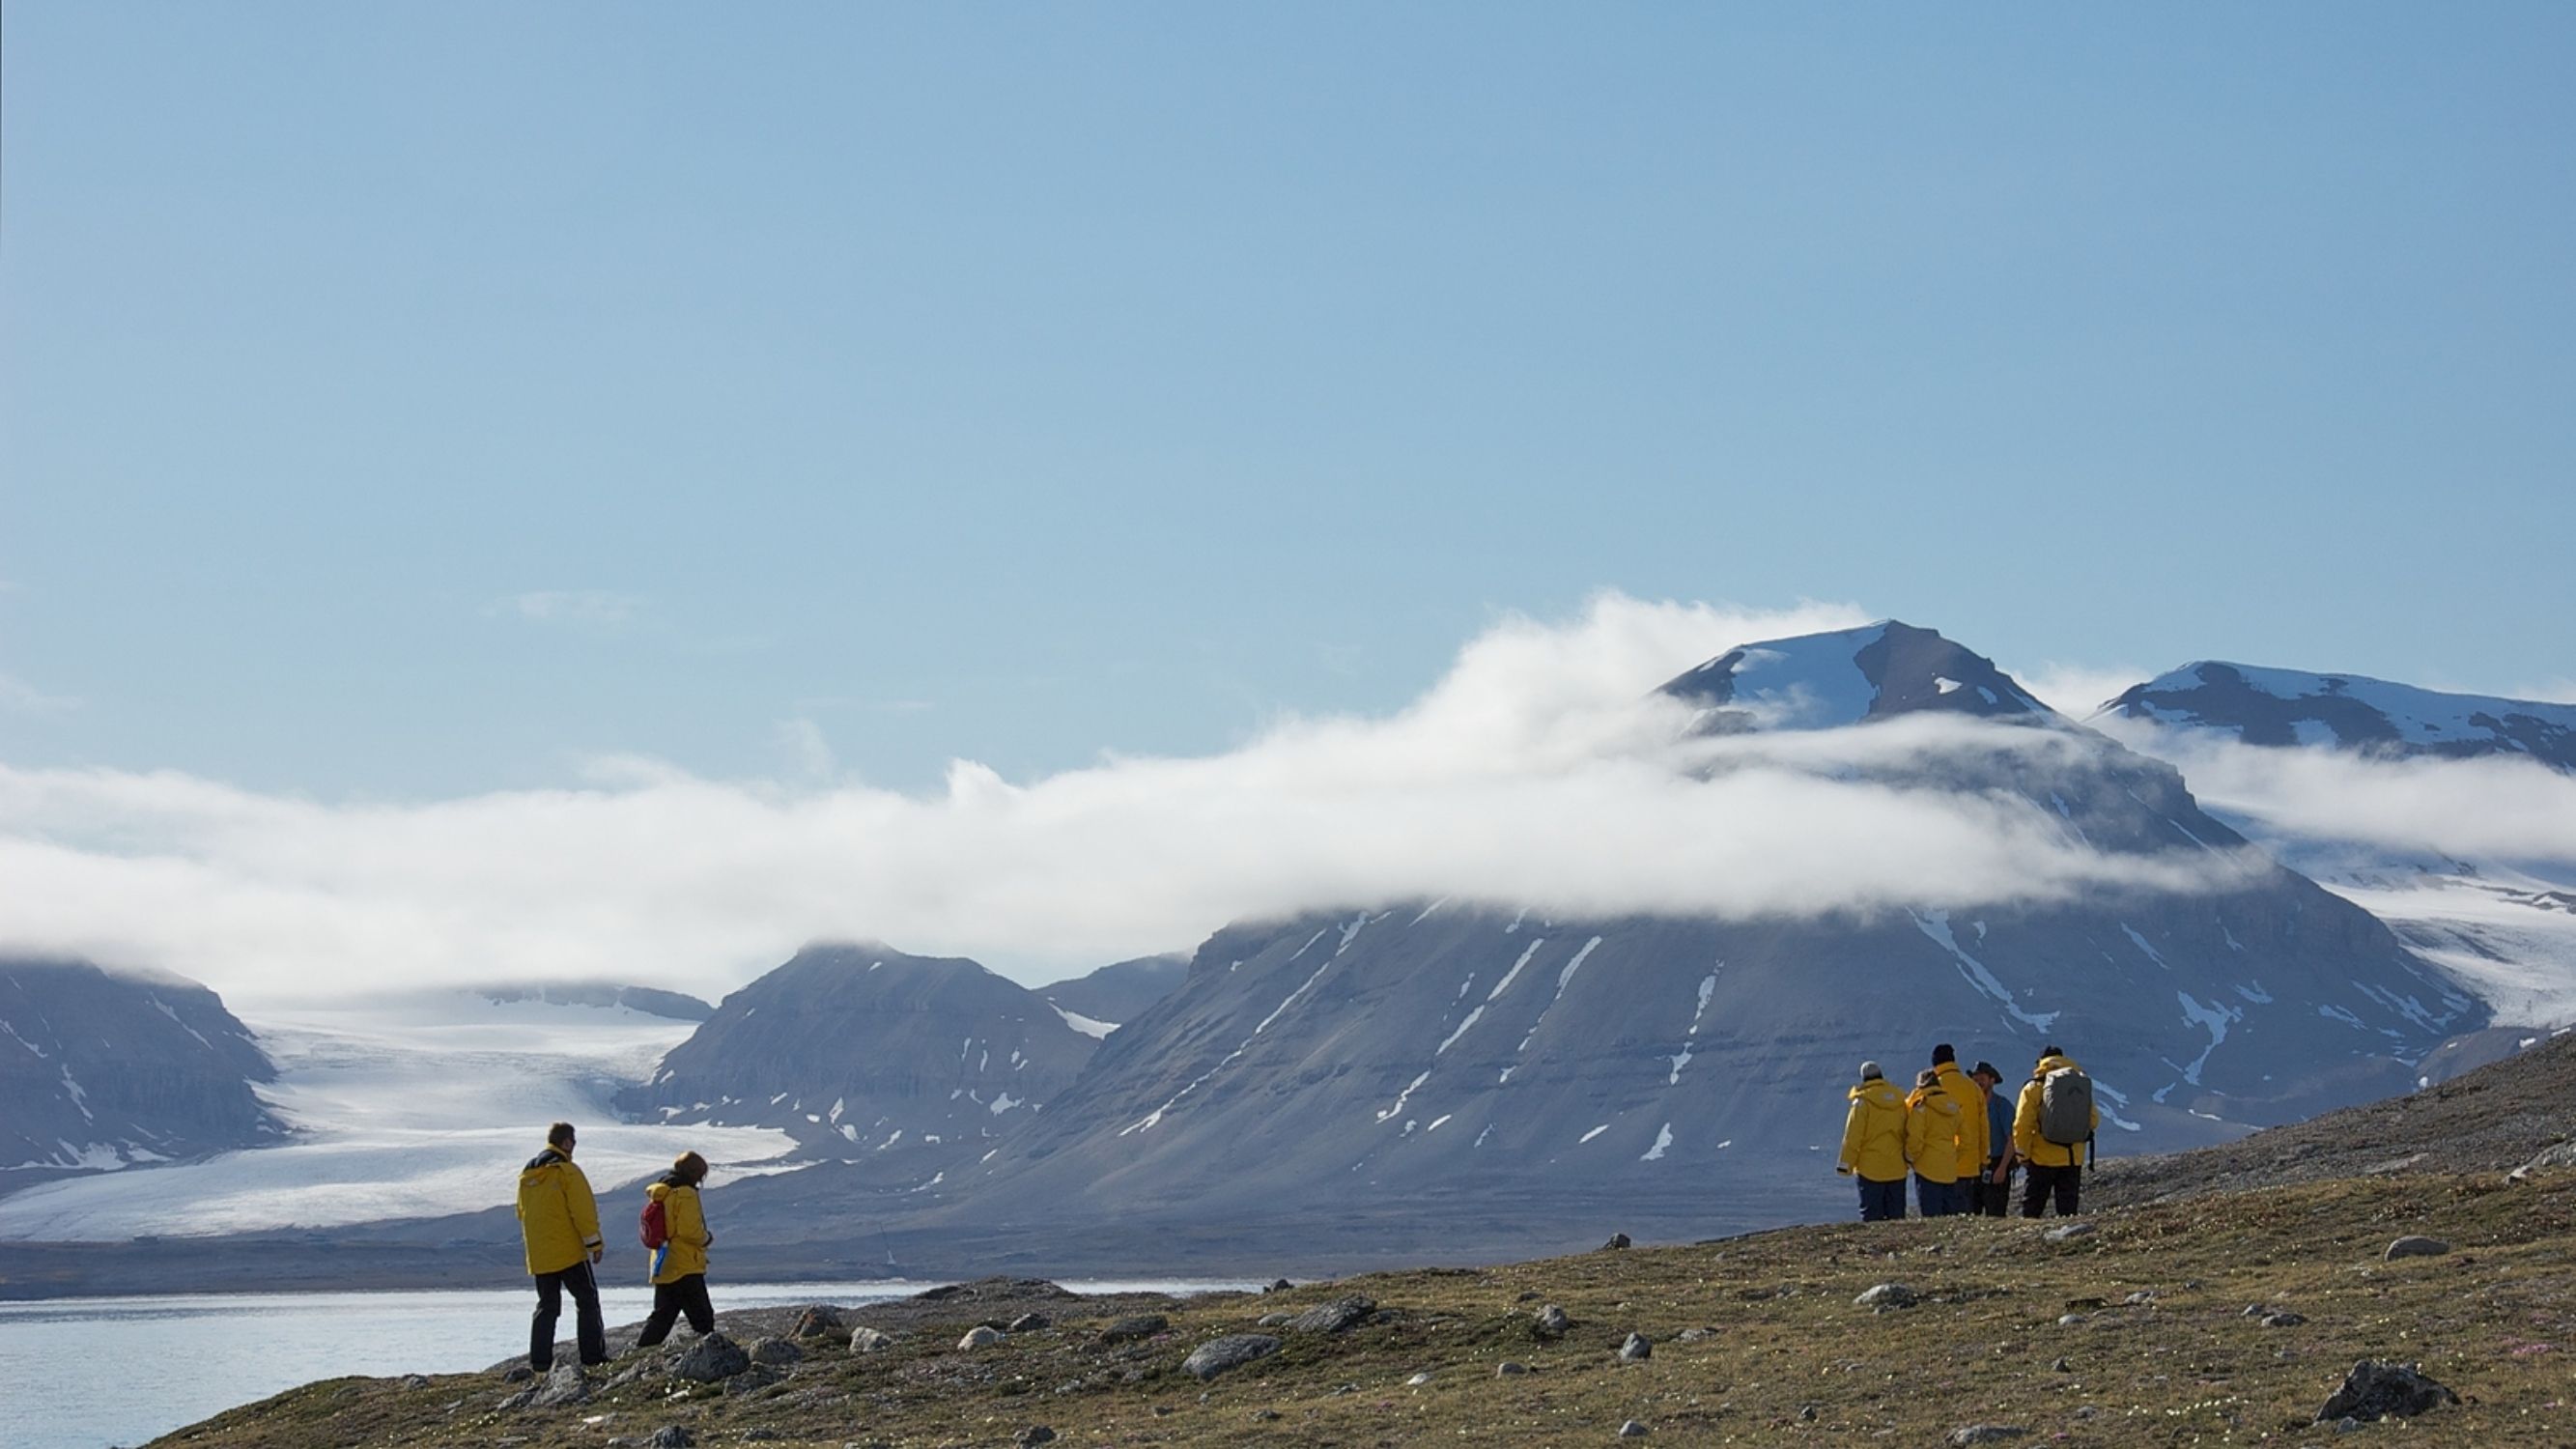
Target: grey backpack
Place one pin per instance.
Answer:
(2066, 1107)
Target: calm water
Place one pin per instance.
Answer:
(81, 1373)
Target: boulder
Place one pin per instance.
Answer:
(1128, 1330)
(566, 1384)
(2416, 1246)
(711, 1359)
(982, 1335)
(2377, 1390)
(1552, 1321)
(1280, 1285)
(1636, 1349)
(1888, 1295)
(776, 1352)
(816, 1321)
(1233, 1351)
(1274, 1320)
(672, 1436)
(1336, 1316)
(1617, 1241)
(1028, 1323)
(864, 1339)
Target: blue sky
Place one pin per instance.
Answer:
(414, 401)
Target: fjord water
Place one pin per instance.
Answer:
(89, 1372)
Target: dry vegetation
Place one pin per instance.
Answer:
(2161, 1350)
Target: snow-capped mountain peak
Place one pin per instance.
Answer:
(2349, 711)
(1848, 676)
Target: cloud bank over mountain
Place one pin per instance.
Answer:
(1540, 771)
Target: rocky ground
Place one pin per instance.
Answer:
(2226, 1319)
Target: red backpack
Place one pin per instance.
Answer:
(654, 1228)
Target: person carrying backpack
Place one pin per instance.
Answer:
(559, 1225)
(1874, 1145)
(2053, 1133)
(674, 1227)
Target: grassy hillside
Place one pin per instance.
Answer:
(1754, 1339)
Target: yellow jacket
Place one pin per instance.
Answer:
(1973, 1150)
(1874, 1133)
(686, 1222)
(1932, 1134)
(2026, 1139)
(558, 1218)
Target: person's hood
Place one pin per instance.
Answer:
(553, 1156)
(1940, 1100)
(660, 1189)
(1879, 1091)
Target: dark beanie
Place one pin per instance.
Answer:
(2050, 1051)
(1943, 1053)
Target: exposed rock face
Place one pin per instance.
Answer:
(870, 1054)
(101, 1070)
(2289, 707)
(1114, 995)
(652, 1001)
(1438, 1046)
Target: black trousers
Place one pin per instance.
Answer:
(1994, 1198)
(2042, 1183)
(681, 1295)
(589, 1329)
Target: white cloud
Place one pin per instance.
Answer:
(1539, 771)
(2496, 807)
(595, 608)
(2076, 690)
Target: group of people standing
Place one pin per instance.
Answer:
(1961, 1137)
(559, 1224)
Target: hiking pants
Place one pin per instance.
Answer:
(681, 1295)
(1882, 1202)
(2039, 1184)
(589, 1330)
(1994, 1198)
(1939, 1199)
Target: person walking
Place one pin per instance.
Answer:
(2053, 1132)
(679, 1264)
(1994, 1185)
(1932, 1145)
(1874, 1145)
(559, 1225)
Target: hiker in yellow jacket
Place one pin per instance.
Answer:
(1874, 1145)
(679, 1264)
(1971, 1148)
(2055, 1168)
(1932, 1144)
(559, 1224)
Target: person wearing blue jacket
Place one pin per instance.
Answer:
(1994, 1185)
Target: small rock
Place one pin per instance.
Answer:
(864, 1339)
(2415, 1246)
(565, 1385)
(1142, 1325)
(1888, 1295)
(1230, 1352)
(2060, 1234)
(1986, 1433)
(519, 1374)
(1617, 1241)
(758, 1376)
(1274, 1320)
(982, 1335)
(2086, 1411)
(2140, 1299)
(672, 1436)
(1034, 1434)
(1029, 1323)
(1334, 1317)
(2064, 1366)
(2282, 1319)
(1806, 1413)
(712, 1358)
(1509, 1368)
(1690, 1335)
(1636, 1349)
(415, 1381)
(1417, 1381)
(2069, 1320)
(1264, 1416)
(2347, 1424)
(1528, 1296)
(816, 1321)
(1633, 1430)
(776, 1351)
(2254, 1310)
(2377, 1390)
(1551, 1320)
(1280, 1286)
